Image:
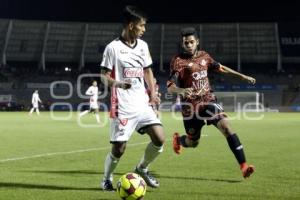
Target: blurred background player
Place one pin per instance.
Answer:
(178, 104)
(127, 59)
(189, 79)
(35, 100)
(92, 91)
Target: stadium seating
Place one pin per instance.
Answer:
(39, 52)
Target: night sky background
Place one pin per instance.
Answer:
(158, 11)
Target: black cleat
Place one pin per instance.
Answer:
(107, 185)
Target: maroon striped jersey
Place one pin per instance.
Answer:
(192, 72)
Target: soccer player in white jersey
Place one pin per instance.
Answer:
(125, 65)
(92, 91)
(35, 100)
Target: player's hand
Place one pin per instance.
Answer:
(201, 92)
(187, 92)
(154, 100)
(123, 85)
(249, 79)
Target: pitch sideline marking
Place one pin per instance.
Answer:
(64, 153)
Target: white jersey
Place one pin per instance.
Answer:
(127, 64)
(92, 91)
(35, 100)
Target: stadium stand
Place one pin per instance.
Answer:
(38, 52)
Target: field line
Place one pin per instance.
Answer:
(64, 153)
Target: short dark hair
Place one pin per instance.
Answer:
(187, 31)
(133, 14)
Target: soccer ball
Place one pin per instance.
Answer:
(131, 186)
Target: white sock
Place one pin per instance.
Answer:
(151, 153)
(97, 118)
(83, 113)
(110, 164)
(31, 111)
(38, 111)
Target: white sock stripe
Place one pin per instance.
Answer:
(157, 147)
(239, 147)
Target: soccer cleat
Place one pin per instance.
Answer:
(149, 179)
(107, 185)
(176, 143)
(247, 170)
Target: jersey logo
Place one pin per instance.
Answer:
(199, 75)
(203, 62)
(122, 51)
(133, 72)
(123, 122)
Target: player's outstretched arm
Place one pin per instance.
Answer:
(110, 82)
(227, 70)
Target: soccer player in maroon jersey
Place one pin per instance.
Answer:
(189, 79)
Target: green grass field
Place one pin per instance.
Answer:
(43, 159)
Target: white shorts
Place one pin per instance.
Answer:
(121, 128)
(35, 105)
(94, 105)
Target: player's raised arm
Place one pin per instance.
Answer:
(227, 70)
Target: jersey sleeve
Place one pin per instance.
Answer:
(148, 58)
(35, 98)
(108, 57)
(89, 91)
(212, 64)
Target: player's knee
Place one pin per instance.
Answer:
(157, 136)
(161, 139)
(118, 150)
(223, 126)
(118, 154)
(158, 143)
(226, 131)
